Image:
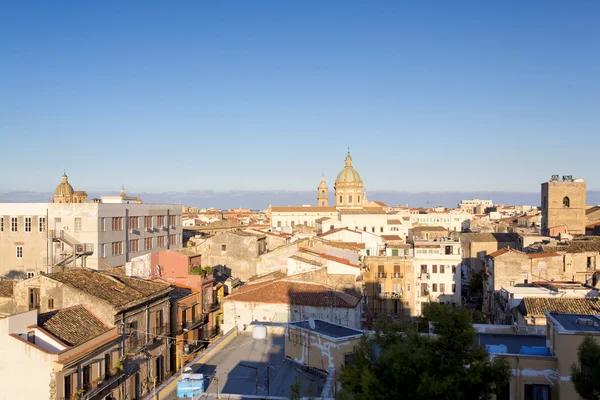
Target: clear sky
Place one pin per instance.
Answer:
(242, 95)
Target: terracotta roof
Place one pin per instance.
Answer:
(312, 209)
(348, 245)
(499, 252)
(391, 237)
(306, 260)
(72, 326)
(336, 230)
(380, 203)
(489, 237)
(425, 228)
(569, 305)
(340, 260)
(543, 255)
(115, 290)
(6, 288)
(294, 293)
(322, 219)
(587, 244)
(394, 222)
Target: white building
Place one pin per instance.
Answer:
(282, 301)
(437, 272)
(282, 217)
(373, 243)
(453, 220)
(36, 236)
(470, 205)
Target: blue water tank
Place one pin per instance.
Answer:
(496, 348)
(188, 388)
(534, 350)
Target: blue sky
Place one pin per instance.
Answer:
(176, 96)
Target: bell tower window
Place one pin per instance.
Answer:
(566, 202)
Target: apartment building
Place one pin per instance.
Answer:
(34, 237)
(437, 272)
(452, 220)
(389, 287)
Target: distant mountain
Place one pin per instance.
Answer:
(262, 199)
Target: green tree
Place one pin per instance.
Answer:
(400, 363)
(586, 378)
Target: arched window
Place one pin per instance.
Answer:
(566, 202)
(323, 193)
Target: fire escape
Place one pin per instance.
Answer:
(77, 249)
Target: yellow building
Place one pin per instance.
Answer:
(65, 193)
(349, 187)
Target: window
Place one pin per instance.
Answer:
(172, 240)
(117, 223)
(293, 223)
(13, 224)
(223, 247)
(379, 288)
(589, 263)
(408, 287)
(148, 222)
(31, 337)
(368, 252)
(448, 250)
(394, 252)
(158, 322)
(1, 224)
(358, 198)
(341, 198)
(364, 228)
(117, 248)
(133, 222)
(279, 224)
(160, 220)
(50, 303)
(103, 224)
(41, 224)
(322, 193)
(30, 274)
(454, 288)
(566, 202)
(77, 224)
(107, 364)
(86, 373)
(423, 269)
(172, 219)
(373, 229)
(161, 241)
(454, 269)
(537, 392)
(434, 287)
(512, 283)
(102, 250)
(405, 252)
(434, 269)
(381, 229)
(27, 224)
(442, 288)
(349, 199)
(19, 251)
(441, 269)
(68, 386)
(148, 244)
(34, 298)
(133, 246)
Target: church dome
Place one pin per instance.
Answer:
(348, 174)
(64, 188)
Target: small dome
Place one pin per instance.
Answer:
(64, 188)
(348, 174)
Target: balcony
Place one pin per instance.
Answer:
(189, 325)
(135, 343)
(381, 275)
(397, 275)
(209, 333)
(162, 330)
(211, 307)
(383, 295)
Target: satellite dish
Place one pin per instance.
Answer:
(311, 323)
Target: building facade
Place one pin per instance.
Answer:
(563, 206)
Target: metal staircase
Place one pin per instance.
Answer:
(78, 250)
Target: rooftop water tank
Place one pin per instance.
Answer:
(259, 332)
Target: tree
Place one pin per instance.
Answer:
(586, 378)
(400, 363)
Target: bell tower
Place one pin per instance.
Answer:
(323, 193)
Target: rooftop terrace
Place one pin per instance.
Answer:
(328, 329)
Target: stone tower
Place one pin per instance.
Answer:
(323, 194)
(563, 206)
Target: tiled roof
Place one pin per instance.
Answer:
(588, 244)
(429, 229)
(348, 245)
(312, 209)
(489, 237)
(570, 305)
(394, 222)
(372, 210)
(542, 255)
(73, 325)
(294, 293)
(340, 260)
(336, 230)
(380, 203)
(592, 210)
(499, 252)
(115, 290)
(391, 237)
(306, 260)
(6, 288)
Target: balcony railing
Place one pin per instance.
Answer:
(381, 275)
(210, 307)
(189, 325)
(397, 275)
(162, 330)
(209, 333)
(135, 343)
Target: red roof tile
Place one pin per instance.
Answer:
(339, 260)
(295, 293)
(391, 237)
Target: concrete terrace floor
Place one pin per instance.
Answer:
(228, 366)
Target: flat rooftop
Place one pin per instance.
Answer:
(238, 363)
(572, 322)
(511, 341)
(328, 329)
